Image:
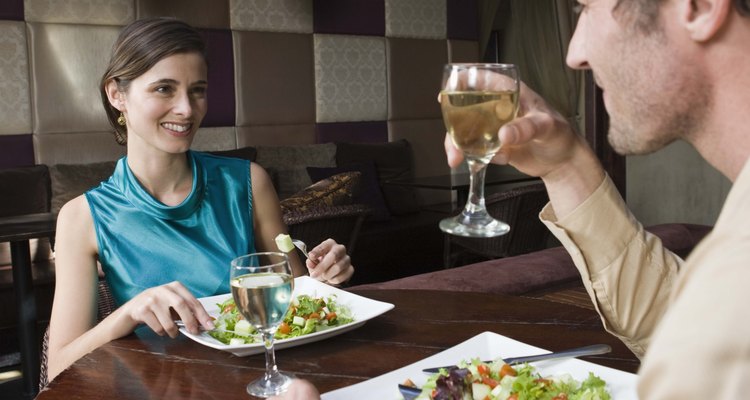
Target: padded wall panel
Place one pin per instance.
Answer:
(195, 12)
(274, 78)
(77, 148)
(16, 151)
(425, 19)
(426, 138)
(272, 16)
(355, 132)
(94, 12)
(350, 78)
(463, 19)
(275, 135)
(463, 51)
(11, 10)
(414, 76)
(221, 104)
(212, 139)
(67, 62)
(361, 17)
(15, 104)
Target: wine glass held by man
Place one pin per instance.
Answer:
(167, 223)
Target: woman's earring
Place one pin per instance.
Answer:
(121, 119)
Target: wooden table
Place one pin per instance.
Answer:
(495, 175)
(18, 230)
(423, 323)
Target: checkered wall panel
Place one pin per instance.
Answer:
(280, 72)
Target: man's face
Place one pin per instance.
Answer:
(651, 95)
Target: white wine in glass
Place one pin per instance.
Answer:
(262, 286)
(476, 101)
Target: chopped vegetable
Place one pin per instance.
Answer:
(284, 242)
(500, 381)
(307, 314)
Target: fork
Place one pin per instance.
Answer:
(303, 248)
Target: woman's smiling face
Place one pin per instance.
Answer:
(165, 106)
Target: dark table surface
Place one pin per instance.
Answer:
(422, 324)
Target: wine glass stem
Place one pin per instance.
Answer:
(271, 368)
(477, 170)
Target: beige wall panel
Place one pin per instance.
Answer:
(199, 13)
(426, 139)
(272, 16)
(15, 104)
(212, 139)
(67, 62)
(415, 71)
(675, 185)
(462, 51)
(275, 135)
(76, 148)
(274, 78)
(416, 19)
(350, 78)
(91, 12)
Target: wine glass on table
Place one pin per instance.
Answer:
(262, 286)
(476, 100)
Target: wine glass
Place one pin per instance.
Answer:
(476, 100)
(262, 286)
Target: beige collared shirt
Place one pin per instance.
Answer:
(691, 329)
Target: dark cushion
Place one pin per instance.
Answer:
(369, 189)
(336, 190)
(287, 164)
(24, 190)
(72, 180)
(393, 160)
(246, 153)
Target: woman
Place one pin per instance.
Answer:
(166, 224)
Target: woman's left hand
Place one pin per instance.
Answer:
(330, 263)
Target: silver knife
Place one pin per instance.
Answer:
(577, 352)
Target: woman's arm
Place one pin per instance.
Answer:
(73, 328)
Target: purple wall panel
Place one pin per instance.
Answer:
(221, 104)
(463, 19)
(352, 132)
(16, 151)
(11, 9)
(361, 17)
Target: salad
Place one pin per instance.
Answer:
(307, 314)
(499, 381)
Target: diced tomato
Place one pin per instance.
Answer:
(228, 308)
(543, 382)
(513, 397)
(506, 369)
(313, 316)
(331, 316)
(561, 396)
(284, 328)
(489, 382)
(487, 397)
(483, 370)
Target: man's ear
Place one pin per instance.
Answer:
(704, 18)
(115, 96)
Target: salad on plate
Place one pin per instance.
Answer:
(476, 380)
(307, 314)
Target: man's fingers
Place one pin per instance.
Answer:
(455, 156)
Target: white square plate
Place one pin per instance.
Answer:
(486, 346)
(362, 309)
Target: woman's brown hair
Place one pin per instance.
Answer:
(139, 46)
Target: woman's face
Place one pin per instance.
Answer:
(165, 106)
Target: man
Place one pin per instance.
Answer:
(669, 70)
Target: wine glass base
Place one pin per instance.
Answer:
(484, 227)
(276, 384)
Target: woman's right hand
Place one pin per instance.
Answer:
(158, 307)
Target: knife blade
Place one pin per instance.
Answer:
(576, 352)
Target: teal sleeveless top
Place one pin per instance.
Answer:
(144, 243)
